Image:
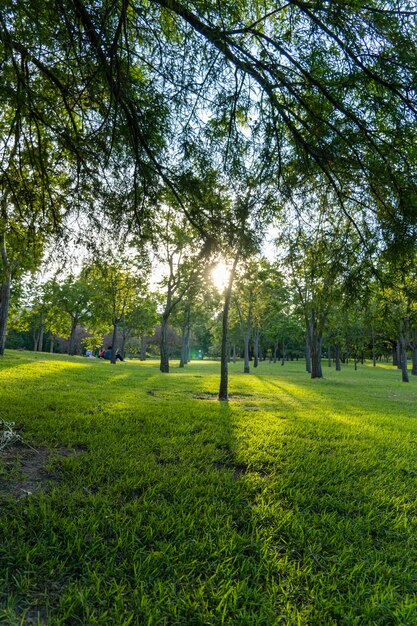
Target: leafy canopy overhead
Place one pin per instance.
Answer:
(301, 86)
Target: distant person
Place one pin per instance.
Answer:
(107, 354)
(101, 353)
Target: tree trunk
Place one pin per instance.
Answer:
(143, 346)
(51, 345)
(41, 334)
(283, 353)
(35, 341)
(329, 356)
(4, 288)
(316, 340)
(122, 347)
(4, 309)
(373, 348)
(355, 362)
(399, 366)
(275, 350)
(164, 364)
(308, 354)
(404, 343)
(414, 369)
(394, 354)
(113, 344)
(316, 371)
(71, 345)
(224, 366)
(403, 359)
(256, 348)
(246, 340)
(234, 353)
(185, 337)
(183, 358)
(185, 346)
(337, 357)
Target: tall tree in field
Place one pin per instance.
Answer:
(323, 262)
(21, 249)
(397, 296)
(180, 250)
(140, 321)
(114, 287)
(72, 297)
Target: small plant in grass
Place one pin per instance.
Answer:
(8, 437)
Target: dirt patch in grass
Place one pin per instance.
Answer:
(36, 617)
(238, 469)
(24, 471)
(205, 396)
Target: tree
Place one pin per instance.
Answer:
(72, 297)
(21, 248)
(114, 286)
(140, 320)
(325, 260)
(181, 250)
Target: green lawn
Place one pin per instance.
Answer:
(150, 503)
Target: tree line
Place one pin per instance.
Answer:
(118, 118)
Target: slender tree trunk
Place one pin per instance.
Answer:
(183, 358)
(143, 346)
(41, 334)
(4, 309)
(283, 352)
(51, 344)
(329, 356)
(185, 337)
(316, 346)
(164, 364)
(113, 344)
(399, 366)
(337, 357)
(373, 348)
(35, 341)
(123, 344)
(308, 354)
(246, 340)
(403, 359)
(256, 348)
(394, 354)
(71, 345)
(187, 346)
(414, 353)
(224, 366)
(234, 353)
(275, 350)
(405, 341)
(355, 361)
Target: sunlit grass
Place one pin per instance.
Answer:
(295, 503)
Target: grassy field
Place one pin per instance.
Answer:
(147, 502)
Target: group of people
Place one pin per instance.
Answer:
(106, 354)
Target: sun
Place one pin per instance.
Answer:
(220, 276)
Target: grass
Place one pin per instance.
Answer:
(154, 504)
